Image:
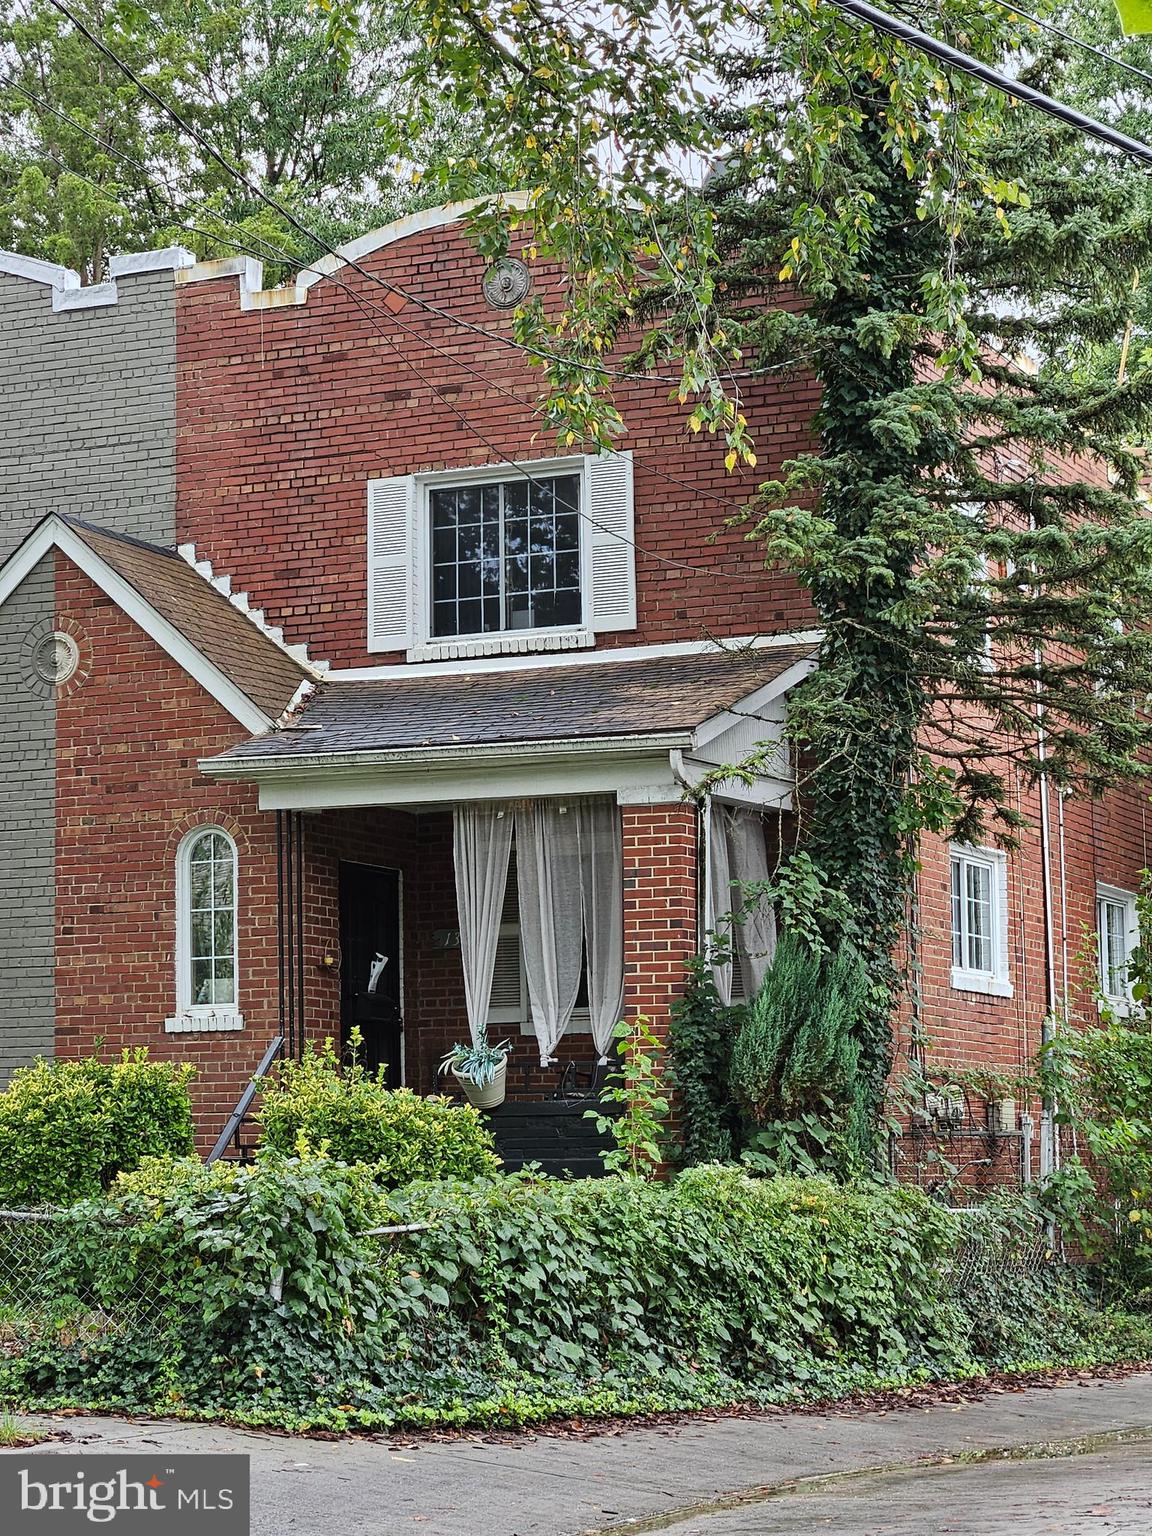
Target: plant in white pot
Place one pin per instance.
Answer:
(481, 1070)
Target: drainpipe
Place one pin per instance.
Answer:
(703, 835)
(1048, 1150)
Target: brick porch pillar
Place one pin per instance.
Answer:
(660, 906)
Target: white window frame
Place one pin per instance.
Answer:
(399, 551)
(520, 1017)
(559, 637)
(1120, 1003)
(190, 1017)
(995, 982)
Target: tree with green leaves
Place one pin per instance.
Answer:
(90, 166)
(969, 529)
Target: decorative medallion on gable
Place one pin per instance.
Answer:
(56, 660)
(506, 283)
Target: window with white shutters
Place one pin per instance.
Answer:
(481, 562)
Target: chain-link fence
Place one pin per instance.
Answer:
(70, 1278)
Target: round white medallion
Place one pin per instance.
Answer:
(56, 658)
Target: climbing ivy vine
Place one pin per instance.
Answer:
(747, 192)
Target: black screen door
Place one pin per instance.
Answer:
(370, 967)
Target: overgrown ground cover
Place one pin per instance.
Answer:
(272, 1299)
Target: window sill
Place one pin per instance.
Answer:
(578, 1024)
(1120, 1007)
(206, 1021)
(979, 981)
(513, 643)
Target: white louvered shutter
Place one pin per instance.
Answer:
(506, 1005)
(392, 571)
(610, 529)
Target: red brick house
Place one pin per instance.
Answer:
(394, 727)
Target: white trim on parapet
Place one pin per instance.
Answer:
(249, 272)
(67, 290)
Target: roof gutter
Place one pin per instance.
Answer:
(474, 754)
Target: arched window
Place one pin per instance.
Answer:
(206, 952)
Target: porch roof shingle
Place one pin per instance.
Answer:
(250, 659)
(653, 696)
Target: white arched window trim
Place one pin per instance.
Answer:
(191, 1016)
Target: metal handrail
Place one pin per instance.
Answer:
(244, 1103)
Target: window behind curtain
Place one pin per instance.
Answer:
(506, 556)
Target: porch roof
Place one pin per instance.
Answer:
(669, 695)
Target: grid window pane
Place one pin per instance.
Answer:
(974, 916)
(211, 918)
(1114, 935)
(978, 897)
(506, 556)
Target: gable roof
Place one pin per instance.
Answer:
(657, 696)
(236, 661)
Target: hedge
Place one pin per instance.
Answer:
(519, 1298)
(67, 1128)
(352, 1116)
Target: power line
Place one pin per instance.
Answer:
(276, 253)
(301, 228)
(904, 32)
(1066, 36)
(367, 305)
(1078, 42)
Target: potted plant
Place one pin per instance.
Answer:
(481, 1070)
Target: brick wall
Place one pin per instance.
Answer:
(89, 431)
(127, 790)
(1104, 842)
(285, 414)
(660, 906)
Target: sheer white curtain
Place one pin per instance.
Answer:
(481, 840)
(551, 930)
(602, 884)
(755, 920)
(718, 894)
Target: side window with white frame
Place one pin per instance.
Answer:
(207, 934)
(979, 910)
(501, 560)
(1117, 935)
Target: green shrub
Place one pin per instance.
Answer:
(701, 1032)
(796, 1063)
(1101, 1081)
(67, 1128)
(350, 1114)
(512, 1299)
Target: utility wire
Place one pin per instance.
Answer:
(904, 32)
(1078, 42)
(367, 306)
(1064, 34)
(256, 191)
(278, 254)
